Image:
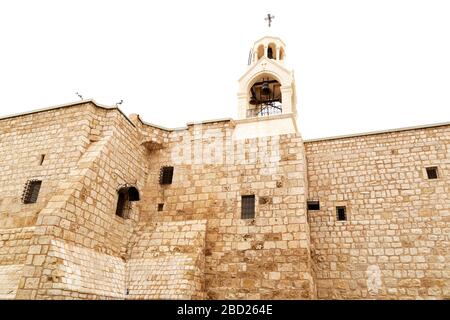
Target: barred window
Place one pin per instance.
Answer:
(166, 175)
(341, 213)
(248, 207)
(31, 191)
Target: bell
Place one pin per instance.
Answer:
(265, 90)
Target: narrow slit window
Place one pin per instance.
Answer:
(432, 172)
(313, 205)
(41, 159)
(31, 191)
(160, 206)
(248, 207)
(166, 175)
(341, 213)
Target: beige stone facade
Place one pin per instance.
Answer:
(188, 239)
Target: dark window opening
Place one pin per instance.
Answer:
(31, 191)
(248, 207)
(313, 205)
(160, 206)
(432, 172)
(341, 213)
(270, 53)
(41, 160)
(122, 205)
(166, 175)
(126, 195)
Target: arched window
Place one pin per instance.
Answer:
(265, 97)
(126, 195)
(260, 51)
(271, 51)
(281, 53)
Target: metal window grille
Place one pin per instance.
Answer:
(166, 175)
(248, 207)
(31, 191)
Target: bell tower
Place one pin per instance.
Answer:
(266, 97)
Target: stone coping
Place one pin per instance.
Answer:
(355, 135)
(66, 105)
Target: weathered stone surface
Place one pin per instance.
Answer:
(70, 244)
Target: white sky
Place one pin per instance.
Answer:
(359, 65)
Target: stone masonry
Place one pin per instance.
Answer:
(187, 240)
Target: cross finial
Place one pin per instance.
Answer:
(269, 19)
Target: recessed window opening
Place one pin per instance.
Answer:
(432, 172)
(313, 205)
(271, 51)
(166, 175)
(341, 213)
(260, 51)
(126, 195)
(31, 191)
(160, 206)
(248, 207)
(281, 53)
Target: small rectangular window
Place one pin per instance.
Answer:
(160, 206)
(313, 205)
(341, 213)
(31, 191)
(248, 207)
(432, 172)
(166, 175)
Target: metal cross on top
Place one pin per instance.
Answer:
(269, 19)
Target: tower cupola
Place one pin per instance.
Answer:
(268, 87)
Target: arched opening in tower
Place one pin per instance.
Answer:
(281, 53)
(265, 97)
(260, 51)
(271, 51)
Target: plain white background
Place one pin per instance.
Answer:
(359, 65)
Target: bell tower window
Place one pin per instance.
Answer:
(265, 98)
(281, 53)
(271, 51)
(260, 51)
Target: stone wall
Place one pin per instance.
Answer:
(167, 261)
(262, 258)
(77, 209)
(14, 244)
(395, 242)
(71, 244)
